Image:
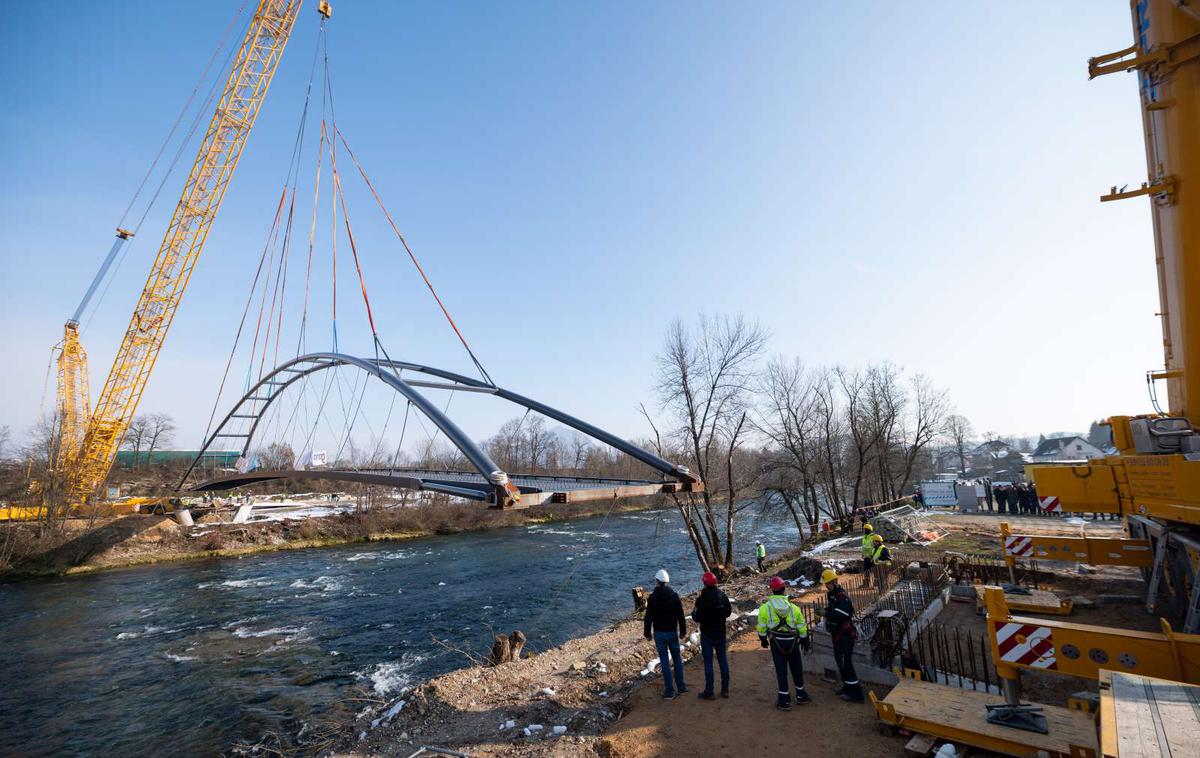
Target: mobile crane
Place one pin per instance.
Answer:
(1149, 701)
(88, 440)
(1154, 479)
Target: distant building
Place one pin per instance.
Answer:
(212, 458)
(997, 459)
(1072, 448)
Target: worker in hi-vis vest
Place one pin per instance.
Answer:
(880, 560)
(782, 628)
(760, 553)
(867, 547)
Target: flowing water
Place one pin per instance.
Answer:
(192, 658)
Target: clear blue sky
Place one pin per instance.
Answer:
(871, 181)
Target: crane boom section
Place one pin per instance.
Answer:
(1166, 50)
(250, 77)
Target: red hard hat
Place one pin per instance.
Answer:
(776, 583)
(709, 579)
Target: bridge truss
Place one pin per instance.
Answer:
(486, 483)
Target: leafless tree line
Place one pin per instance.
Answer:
(839, 437)
(816, 441)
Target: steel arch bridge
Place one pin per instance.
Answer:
(487, 482)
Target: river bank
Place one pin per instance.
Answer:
(601, 690)
(84, 546)
(278, 648)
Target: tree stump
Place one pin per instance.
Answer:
(640, 598)
(516, 644)
(501, 651)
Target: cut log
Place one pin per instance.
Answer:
(516, 644)
(501, 651)
(640, 598)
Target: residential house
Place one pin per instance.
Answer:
(1074, 448)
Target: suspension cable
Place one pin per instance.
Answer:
(412, 257)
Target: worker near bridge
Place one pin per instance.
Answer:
(839, 622)
(867, 547)
(712, 608)
(878, 562)
(782, 628)
(664, 616)
(760, 553)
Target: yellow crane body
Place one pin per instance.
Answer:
(74, 400)
(1094, 551)
(1154, 479)
(249, 79)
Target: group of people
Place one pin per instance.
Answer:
(782, 629)
(1013, 498)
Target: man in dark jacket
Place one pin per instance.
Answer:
(839, 622)
(664, 615)
(1002, 498)
(712, 608)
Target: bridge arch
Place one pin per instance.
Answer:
(253, 405)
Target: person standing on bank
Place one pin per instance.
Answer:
(839, 622)
(712, 608)
(760, 554)
(664, 616)
(782, 628)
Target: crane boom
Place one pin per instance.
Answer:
(253, 68)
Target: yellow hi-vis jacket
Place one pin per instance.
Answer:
(760, 551)
(881, 555)
(868, 547)
(781, 617)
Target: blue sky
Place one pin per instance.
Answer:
(870, 181)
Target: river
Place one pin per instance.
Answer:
(193, 658)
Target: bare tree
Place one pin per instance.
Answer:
(831, 439)
(136, 437)
(5, 436)
(929, 409)
(864, 434)
(579, 450)
(789, 419)
(705, 374)
(537, 441)
(277, 456)
(959, 430)
(160, 432)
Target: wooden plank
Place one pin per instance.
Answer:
(1153, 717)
(920, 745)
(960, 716)
(1037, 601)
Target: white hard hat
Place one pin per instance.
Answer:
(663, 576)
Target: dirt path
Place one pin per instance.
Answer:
(747, 723)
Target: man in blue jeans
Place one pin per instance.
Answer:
(664, 615)
(712, 608)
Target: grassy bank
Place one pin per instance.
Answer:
(139, 540)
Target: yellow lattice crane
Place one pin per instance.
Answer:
(88, 444)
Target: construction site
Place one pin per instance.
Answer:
(361, 556)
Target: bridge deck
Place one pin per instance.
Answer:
(535, 490)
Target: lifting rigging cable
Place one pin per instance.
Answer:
(272, 271)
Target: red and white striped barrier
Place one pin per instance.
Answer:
(1018, 545)
(1026, 645)
(1048, 504)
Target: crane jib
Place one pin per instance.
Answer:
(216, 159)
